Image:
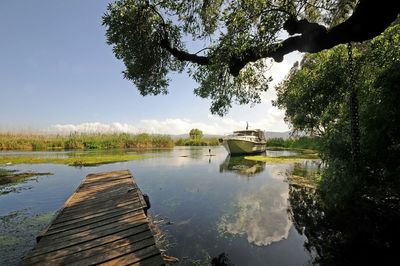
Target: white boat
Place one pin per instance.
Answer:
(245, 142)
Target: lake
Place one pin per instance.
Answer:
(204, 205)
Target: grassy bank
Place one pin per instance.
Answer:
(302, 155)
(13, 176)
(74, 159)
(312, 143)
(197, 142)
(36, 142)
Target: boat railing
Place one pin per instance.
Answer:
(239, 137)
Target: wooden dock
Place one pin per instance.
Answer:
(103, 222)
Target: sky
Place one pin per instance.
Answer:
(57, 74)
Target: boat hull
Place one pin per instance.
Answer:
(240, 147)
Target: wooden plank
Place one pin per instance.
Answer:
(51, 236)
(115, 252)
(93, 219)
(73, 196)
(123, 202)
(116, 192)
(103, 221)
(108, 177)
(105, 181)
(68, 256)
(104, 194)
(91, 230)
(105, 203)
(81, 217)
(101, 185)
(84, 246)
(77, 214)
(80, 220)
(113, 173)
(43, 248)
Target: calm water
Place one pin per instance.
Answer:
(206, 205)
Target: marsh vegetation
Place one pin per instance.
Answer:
(70, 158)
(8, 176)
(80, 141)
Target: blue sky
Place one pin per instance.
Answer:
(58, 74)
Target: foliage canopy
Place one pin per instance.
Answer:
(234, 38)
(196, 133)
(360, 209)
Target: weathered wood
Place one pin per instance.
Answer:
(92, 212)
(66, 257)
(66, 252)
(117, 252)
(91, 219)
(99, 231)
(103, 222)
(122, 201)
(57, 234)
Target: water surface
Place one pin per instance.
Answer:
(205, 205)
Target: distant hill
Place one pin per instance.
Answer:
(283, 135)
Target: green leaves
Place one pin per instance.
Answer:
(135, 31)
(137, 28)
(315, 92)
(149, 37)
(315, 97)
(223, 89)
(196, 133)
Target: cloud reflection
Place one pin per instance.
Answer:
(261, 215)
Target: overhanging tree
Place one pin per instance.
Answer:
(238, 39)
(360, 213)
(314, 98)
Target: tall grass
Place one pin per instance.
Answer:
(197, 142)
(75, 141)
(312, 143)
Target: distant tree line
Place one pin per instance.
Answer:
(196, 139)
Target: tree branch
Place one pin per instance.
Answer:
(182, 55)
(368, 20)
(177, 53)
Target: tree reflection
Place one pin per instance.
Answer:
(356, 231)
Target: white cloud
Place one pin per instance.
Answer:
(269, 119)
(273, 121)
(92, 127)
(278, 72)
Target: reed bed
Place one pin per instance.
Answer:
(197, 142)
(312, 143)
(77, 141)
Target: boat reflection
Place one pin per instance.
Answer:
(241, 166)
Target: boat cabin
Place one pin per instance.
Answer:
(256, 133)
